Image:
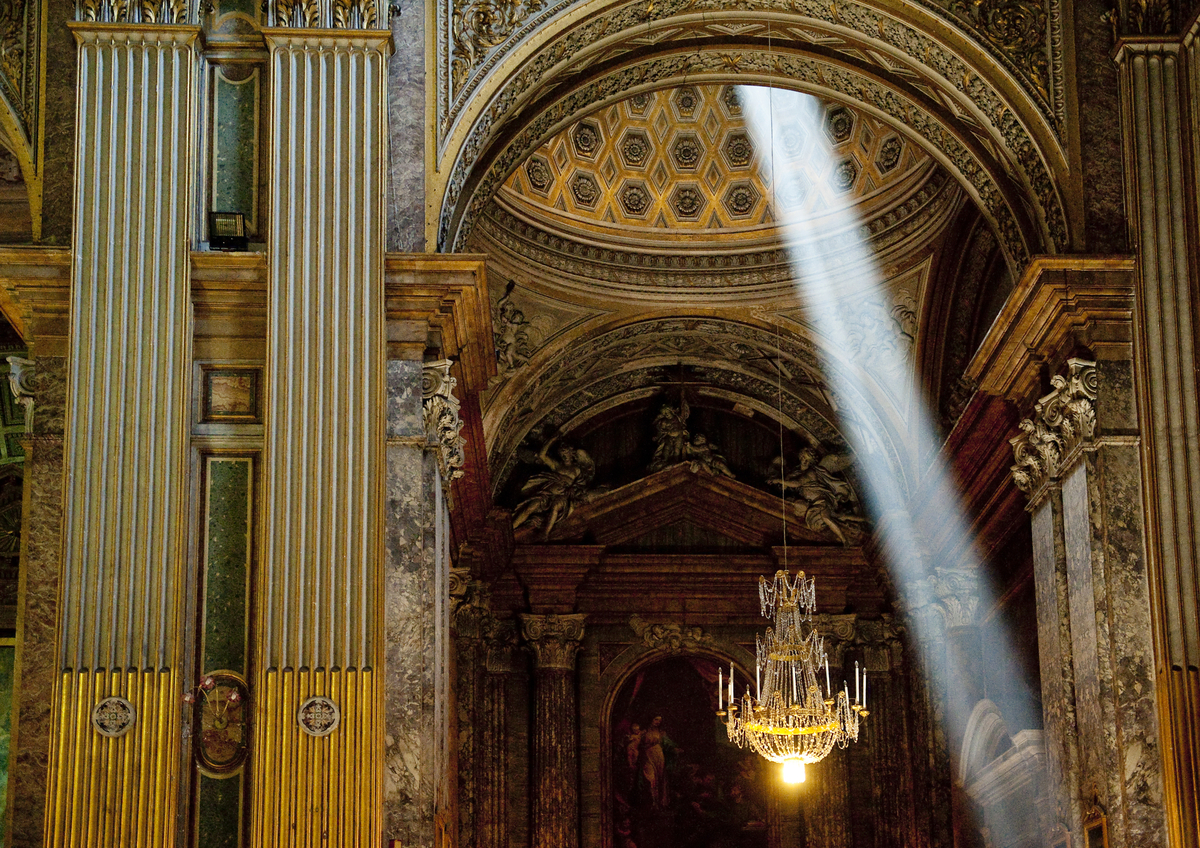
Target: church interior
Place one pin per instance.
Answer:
(566, 423)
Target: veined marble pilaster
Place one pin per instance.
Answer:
(417, 619)
(1094, 582)
(125, 493)
(319, 621)
(41, 536)
(554, 640)
(1155, 78)
(492, 822)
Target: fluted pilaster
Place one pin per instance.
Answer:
(1155, 78)
(117, 702)
(492, 783)
(554, 640)
(319, 594)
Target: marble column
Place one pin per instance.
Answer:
(117, 703)
(554, 640)
(319, 618)
(423, 452)
(1079, 457)
(1159, 81)
(1055, 660)
(41, 537)
(957, 592)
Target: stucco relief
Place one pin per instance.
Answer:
(475, 36)
(735, 359)
(1017, 234)
(858, 34)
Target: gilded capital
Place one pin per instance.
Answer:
(443, 427)
(1062, 422)
(554, 639)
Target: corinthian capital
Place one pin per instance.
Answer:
(443, 427)
(1062, 421)
(554, 639)
(957, 592)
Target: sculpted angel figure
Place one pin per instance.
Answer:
(825, 500)
(511, 333)
(703, 455)
(551, 495)
(670, 436)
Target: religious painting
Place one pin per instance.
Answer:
(677, 780)
(231, 394)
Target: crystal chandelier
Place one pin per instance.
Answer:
(789, 720)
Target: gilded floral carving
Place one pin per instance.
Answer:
(140, 12)
(443, 426)
(327, 14)
(1063, 421)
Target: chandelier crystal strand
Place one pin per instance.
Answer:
(788, 719)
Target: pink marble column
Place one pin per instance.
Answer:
(554, 640)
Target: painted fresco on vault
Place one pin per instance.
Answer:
(677, 781)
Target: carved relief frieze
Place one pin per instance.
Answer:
(443, 427)
(1024, 36)
(731, 358)
(20, 62)
(673, 638)
(1063, 422)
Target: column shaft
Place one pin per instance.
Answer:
(554, 640)
(417, 625)
(125, 518)
(1160, 188)
(318, 616)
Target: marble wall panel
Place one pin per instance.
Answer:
(407, 126)
(411, 604)
(1054, 657)
(41, 540)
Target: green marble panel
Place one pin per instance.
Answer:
(219, 812)
(227, 562)
(8, 652)
(235, 146)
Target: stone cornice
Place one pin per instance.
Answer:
(1060, 302)
(449, 294)
(35, 288)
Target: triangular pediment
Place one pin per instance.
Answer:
(677, 497)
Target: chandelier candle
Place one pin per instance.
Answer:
(787, 721)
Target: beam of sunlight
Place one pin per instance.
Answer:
(833, 285)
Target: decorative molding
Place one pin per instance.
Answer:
(554, 639)
(139, 12)
(21, 379)
(673, 638)
(921, 213)
(318, 716)
(904, 111)
(114, 717)
(1062, 422)
(330, 14)
(443, 427)
(1024, 37)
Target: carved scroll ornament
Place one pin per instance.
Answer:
(443, 427)
(554, 639)
(1062, 421)
(670, 637)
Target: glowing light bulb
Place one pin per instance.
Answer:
(793, 771)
